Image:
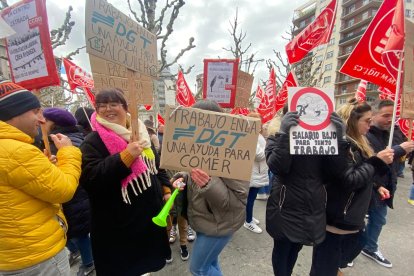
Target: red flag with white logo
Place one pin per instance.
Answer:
(77, 77)
(361, 92)
(267, 105)
(259, 93)
(315, 34)
(184, 96)
(395, 44)
(366, 60)
(282, 96)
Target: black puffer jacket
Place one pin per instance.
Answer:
(296, 206)
(348, 203)
(379, 141)
(77, 210)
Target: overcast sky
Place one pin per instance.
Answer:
(264, 21)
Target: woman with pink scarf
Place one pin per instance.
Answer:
(120, 177)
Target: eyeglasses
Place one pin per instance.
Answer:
(110, 105)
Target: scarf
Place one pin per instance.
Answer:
(116, 138)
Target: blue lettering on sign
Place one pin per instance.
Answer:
(219, 139)
(107, 20)
(184, 132)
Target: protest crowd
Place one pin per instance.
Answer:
(101, 190)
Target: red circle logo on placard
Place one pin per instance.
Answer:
(311, 92)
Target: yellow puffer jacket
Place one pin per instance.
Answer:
(31, 191)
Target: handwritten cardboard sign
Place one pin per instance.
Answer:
(116, 37)
(109, 74)
(244, 88)
(407, 106)
(220, 144)
(29, 50)
(315, 134)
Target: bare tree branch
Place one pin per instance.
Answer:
(74, 53)
(59, 36)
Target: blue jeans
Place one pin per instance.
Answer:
(83, 245)
(204, 255)
(266, 189)
(412, 192)
(250, 203)
(58, 265)
(376, 220)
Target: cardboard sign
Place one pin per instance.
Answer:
(407, 103)
(116, 37)
(243, 89)
(29, 50)
(220, 81)
(218, 143)
(109, 74)
(315, 134)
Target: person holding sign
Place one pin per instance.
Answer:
(32, 225)
(347, 203)
(124, 192)
(216, 209)
(295, 212)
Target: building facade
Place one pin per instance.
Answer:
(352, 19)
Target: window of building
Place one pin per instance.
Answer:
(334, 28)
(348, 49)
(408, 13)
(332, 41)
(320, 47)
(342, 101)
(318, 70)
(343, 89)
(319, 58)
(351, 8)
(329, 54)
(302, 24)
(351, 22)
(365, 15)
(328, 67)
(326, 79)
(374, 12)
(349, 34)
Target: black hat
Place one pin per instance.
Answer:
(15, 100)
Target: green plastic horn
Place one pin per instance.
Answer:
(161, 218)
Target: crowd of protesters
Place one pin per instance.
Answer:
(93, 190)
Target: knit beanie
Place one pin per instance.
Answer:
(59, 116)
(15, 100)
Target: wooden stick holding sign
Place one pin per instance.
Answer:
(132, 106)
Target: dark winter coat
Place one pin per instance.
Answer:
(379, 141)
(348, 202)
(296, 205)
(77, 210)
(124, 239)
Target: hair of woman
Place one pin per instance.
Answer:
(351, 112)
(111, 95)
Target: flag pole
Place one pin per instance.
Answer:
(397, 96)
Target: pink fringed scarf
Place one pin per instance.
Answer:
(115, 144)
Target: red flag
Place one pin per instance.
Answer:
(361, 92)
(160, 119)
(267, 105)
(89, 95)
(282, 96)
(395, 44)
(77, 77)
(405, 127)
(240, 111)
(317, 33)
(365, 61)
(259, 93)
(184, 96)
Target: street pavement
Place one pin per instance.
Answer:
(249, 254)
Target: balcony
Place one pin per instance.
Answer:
(360, 9)
(356, 25)
(344, 79)
(306, 10)
(350, 39)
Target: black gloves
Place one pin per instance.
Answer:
(340, 126)
(289, 120)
